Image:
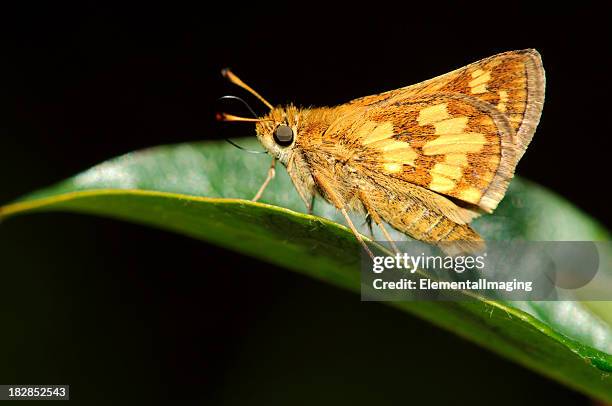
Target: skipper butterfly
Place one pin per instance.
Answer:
(426, 159)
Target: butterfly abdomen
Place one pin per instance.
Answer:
(407, 214)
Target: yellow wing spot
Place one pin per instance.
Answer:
(394, 151)
(392, 167)
(503, 98)
(372, 132)
(487, 176)
(451, 126)
(479, 89)
(391, 145)
(448, 171)
(433, 114)
(470, 195)
(477, 72)
(456, 159)
(455, 143)
(479, 77)
(441, 183)
(486, 121)
(479, 83)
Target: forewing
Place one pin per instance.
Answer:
(450, 143)
(512, 82)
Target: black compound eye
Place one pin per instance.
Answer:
(283, 135)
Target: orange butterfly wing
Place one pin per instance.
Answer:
(460, 134)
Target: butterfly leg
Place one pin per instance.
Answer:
(372, 215)
(368, 222)
(311, 205)
(354, 230)
(333, 197)
(271, 173)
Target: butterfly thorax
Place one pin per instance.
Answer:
(306, 124)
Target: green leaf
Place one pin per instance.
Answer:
(165, 187)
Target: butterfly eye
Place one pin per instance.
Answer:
(283, 135)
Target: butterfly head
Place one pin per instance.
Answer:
(277, 130)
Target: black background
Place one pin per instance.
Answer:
(123, 311)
